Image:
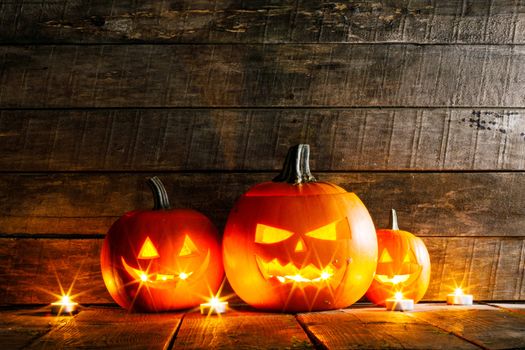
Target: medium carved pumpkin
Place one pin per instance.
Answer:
(403, 265)
(296, 244)
(161, 259)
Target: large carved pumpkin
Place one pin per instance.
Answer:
(296, 244)
(161, 259)
(403, 265)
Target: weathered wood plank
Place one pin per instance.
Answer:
(112, 328)
(428, 204)
(19, 328)
(490, 269)
(451, 21)
(241, 330)
(257, 139)
(376, 329)
(34, 270)
(31, 268)
(336, 75)
(490, 329)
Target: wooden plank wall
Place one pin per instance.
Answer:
(416, 105)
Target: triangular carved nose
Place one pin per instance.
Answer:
(300, 246)
(148, 250)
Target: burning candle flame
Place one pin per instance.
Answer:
(64, 305)
(214, 305)
(65, 300)
(399, 296)
(214, 302)
(458, 291)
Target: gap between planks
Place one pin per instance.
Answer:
(236, 43)
(362, 314)
(270, 107)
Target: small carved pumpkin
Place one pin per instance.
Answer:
(161, 259)
(403, 265)
(296, 244)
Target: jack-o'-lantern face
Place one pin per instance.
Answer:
(287, 257)
(189, 265)
(161, 259)
(403, 265)
(295, 244)
(402, 271)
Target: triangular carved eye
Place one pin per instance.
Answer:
(326, 232)
(385, 257)
(406, 259)
(268, 234)
(148, 250)
(188, 247)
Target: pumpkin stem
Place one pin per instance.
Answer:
(296, 167)
(393, 220)
(160, 196)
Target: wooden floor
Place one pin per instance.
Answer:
(430, 326)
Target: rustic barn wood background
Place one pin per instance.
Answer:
(414, 105)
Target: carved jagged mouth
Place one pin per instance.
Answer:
(159, 280)
(309, 274)
(395, 279)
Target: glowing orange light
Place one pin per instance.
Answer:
(459, 298)
(327, 232)
(183, 275)
(188, 247)
(398, 296)
(148, 250)
(214, 306)
(385, 257)
(268, 234)
(325, 275)
(64, 305)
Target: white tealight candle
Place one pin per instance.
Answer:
(399, 304)
(458, 298)
(64, 306)
(215, 306)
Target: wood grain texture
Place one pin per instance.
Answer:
(356, 328)
(376, 329)
(488, 329)
(493, 270)
(450, 21)
(112, 328)
(34, 270)
(19, 328)
(488, 268)
(241, 330)
(335, 75)
(428, 204)
(257, 139)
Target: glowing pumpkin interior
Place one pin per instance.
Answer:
(148, 255)
(295, 244)
(302, 266)
(161, 259)
(403, 265)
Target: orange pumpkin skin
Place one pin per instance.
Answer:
(316, 230)
(405, 256)
(176, 251)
